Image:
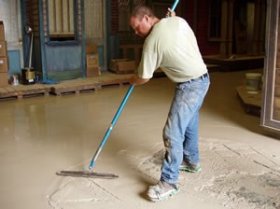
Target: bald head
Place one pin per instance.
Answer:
(142, 20)
(141, 11)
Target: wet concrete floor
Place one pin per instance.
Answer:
(43, 135)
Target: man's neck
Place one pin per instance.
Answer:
(155, 20)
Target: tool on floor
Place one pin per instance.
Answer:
(101, 145)
(90, 173)
(28, 73)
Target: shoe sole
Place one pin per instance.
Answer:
(165, 197)
(190, 170)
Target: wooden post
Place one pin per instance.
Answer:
(259, 28)
(226, 27)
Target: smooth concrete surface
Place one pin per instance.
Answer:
(43, 135)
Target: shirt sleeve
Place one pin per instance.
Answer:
(148, 64)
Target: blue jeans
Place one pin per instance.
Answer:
(180, 133)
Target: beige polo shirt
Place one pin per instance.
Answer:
(172, 46)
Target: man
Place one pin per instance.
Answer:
(171, 44)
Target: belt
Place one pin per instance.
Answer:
(194, 79)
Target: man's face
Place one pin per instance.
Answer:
(142, 26)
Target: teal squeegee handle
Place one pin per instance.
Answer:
(174, 5)
(117, 115)
(110, 128)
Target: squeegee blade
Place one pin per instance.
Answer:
(87, 174)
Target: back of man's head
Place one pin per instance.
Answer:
(142, 10)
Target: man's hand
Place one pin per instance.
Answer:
(135, 80)
(170, 13)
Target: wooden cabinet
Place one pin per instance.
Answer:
(270, 117)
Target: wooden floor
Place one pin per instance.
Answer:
(64, 87)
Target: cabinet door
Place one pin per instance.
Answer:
(62, 39)
(270, 118)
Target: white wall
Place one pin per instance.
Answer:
(11, 16)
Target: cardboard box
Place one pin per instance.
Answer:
(91, 48)
(127, 65)
(122, 65)
(4, 78)
(93, 71)
(3, 64)
(92, 60)
(114, 63)
(3, 49)
(2, 31)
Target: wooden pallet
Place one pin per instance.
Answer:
(65, 87)
(122, 72)
(21, 91)
(250, 100)
(114, 79)
(89, 84)
(74, 86)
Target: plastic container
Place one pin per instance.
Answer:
(253, 81)
(28, 76)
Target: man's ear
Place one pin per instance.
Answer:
(146, 17)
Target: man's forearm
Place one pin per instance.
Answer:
(135, 80)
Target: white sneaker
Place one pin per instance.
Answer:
(162, 191)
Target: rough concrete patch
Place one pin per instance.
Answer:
(248, 191)
(269, 181)
(234, 173)
(151, 166)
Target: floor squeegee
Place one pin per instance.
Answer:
(90, 173)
